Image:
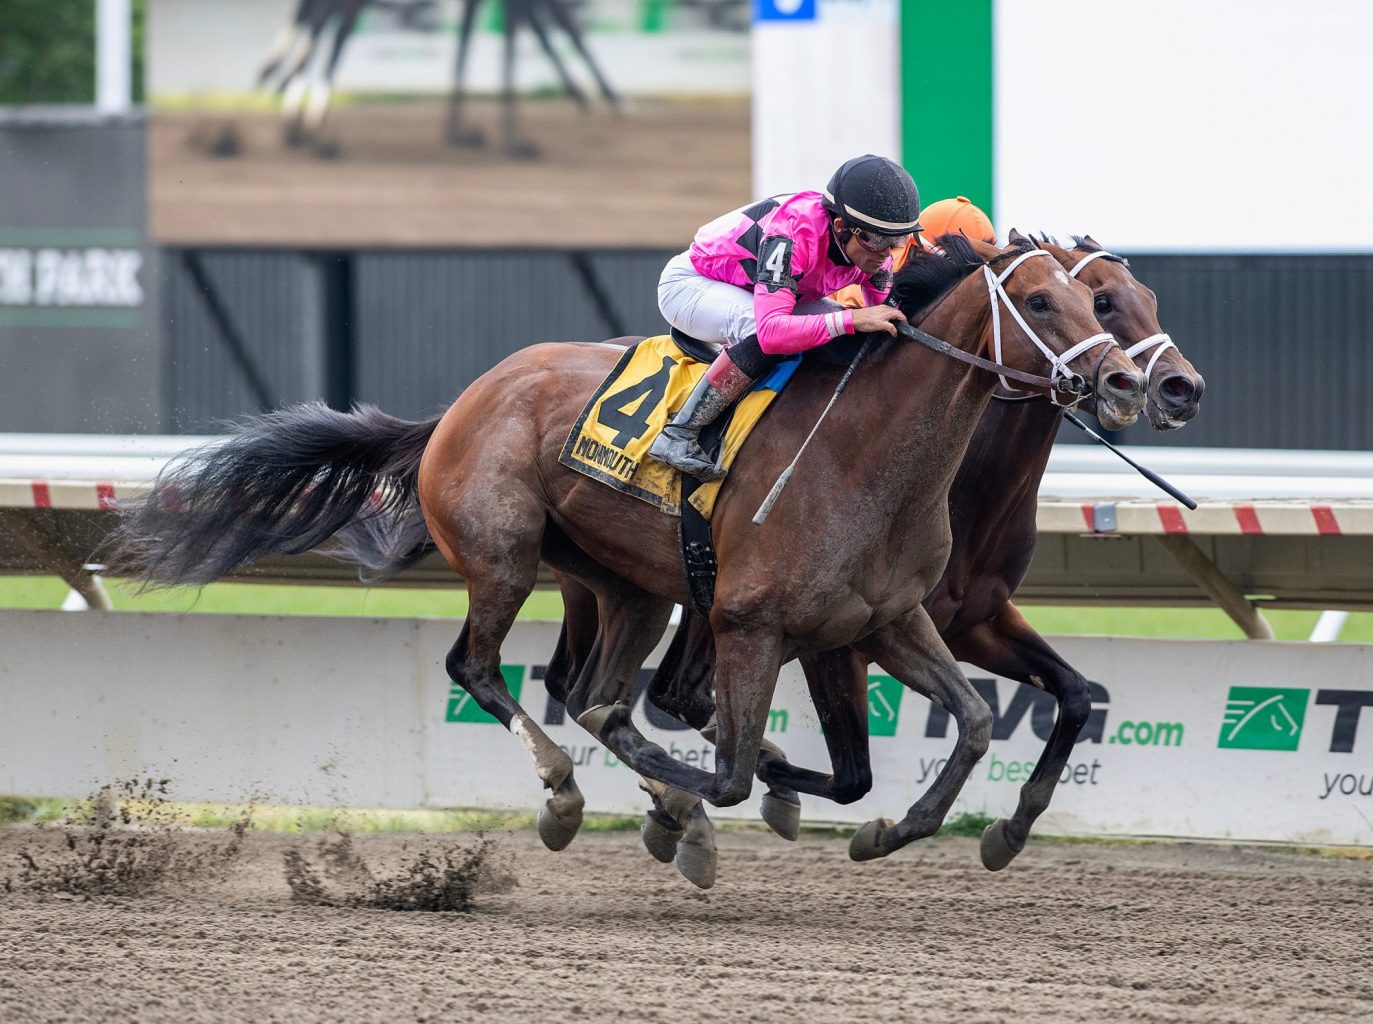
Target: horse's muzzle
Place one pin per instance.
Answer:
(1121, 395)
(1174, 400)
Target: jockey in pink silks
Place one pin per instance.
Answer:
(755, 281)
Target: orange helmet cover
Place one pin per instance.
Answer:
(955, 216)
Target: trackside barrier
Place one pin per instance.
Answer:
(1195, 739)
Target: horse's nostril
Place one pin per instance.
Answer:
(1123, 382)
(1177, 389)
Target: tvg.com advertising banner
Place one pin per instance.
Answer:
(1222, 740)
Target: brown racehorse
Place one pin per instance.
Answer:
(869, 510)
(992, 505)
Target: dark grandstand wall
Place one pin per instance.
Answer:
(79, 312)
(1282, 340)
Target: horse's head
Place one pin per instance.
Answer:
(1042, 321)
(1129, 310)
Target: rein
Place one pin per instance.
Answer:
(1079, 388)
(1061, 380)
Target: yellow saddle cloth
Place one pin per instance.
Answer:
(651, 382)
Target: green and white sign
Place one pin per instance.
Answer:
(1263, 718)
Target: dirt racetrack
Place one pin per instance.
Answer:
(792, 932)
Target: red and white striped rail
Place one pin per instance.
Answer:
(1254, 518)
(1085, 491)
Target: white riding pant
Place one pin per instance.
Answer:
(714, 311)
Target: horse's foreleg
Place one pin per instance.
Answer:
(1010, 647)
(746, 677)
(683, 688)
(910, 649)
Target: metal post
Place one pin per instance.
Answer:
(1207, 575)
(113, 56)
(1328, 627)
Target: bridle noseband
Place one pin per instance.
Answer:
(1063, 381)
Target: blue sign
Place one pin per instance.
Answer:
(784, 10)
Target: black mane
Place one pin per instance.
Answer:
(928, 276)
(1086, 243)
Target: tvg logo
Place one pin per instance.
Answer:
(462, 708)
(884, 705)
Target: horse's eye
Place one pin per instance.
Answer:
(1039, 303)
(1102, 303)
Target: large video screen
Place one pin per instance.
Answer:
(446, 122)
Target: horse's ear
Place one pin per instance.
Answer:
(1016, 238)
(1092, 242)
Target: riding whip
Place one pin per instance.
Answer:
(1148, 474)
(771, 499)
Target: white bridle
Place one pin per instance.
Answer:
(1058, 361)
(1161, 341)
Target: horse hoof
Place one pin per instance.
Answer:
(782, 816)
(697, 864)
(561, 816)
(660, 837)
(997, 850)
(867, 843)
(555, 831)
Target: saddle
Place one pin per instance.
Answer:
(609, 441)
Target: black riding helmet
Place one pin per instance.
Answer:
(875, 194)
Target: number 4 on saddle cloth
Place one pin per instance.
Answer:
(610, 440)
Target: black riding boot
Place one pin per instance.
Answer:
(679, 445)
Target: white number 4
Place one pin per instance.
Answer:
(776, 263)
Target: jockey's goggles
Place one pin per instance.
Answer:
(873, 242)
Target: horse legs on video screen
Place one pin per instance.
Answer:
(911, 650)
(1009, 646)
(456, 133)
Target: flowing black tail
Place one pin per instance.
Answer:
(285, 483)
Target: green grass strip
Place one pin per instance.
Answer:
(395, 602)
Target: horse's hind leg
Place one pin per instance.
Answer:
(562, 814)
(576, 639)
(497, 551)
(838, 683)
(629, 624)
(580, 644)
(746, 679)
(911, 650)
(1010, 647)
